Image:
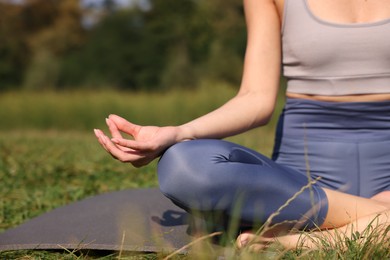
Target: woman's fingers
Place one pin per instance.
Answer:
(115, 133)
(119, 154)
(138, 151)
(133, 156)
(113, 128)
(100, 136)
(139, 146)
(123, 125)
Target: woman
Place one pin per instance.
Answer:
(332, 152)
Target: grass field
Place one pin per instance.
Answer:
(49, 156)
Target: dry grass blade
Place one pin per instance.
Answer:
(267, 224)
(192, 243)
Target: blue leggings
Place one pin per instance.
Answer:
(346, 145)
(215, 175)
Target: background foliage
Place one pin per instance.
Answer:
(47, 44)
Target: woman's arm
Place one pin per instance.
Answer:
(251, 107)
(254, 103)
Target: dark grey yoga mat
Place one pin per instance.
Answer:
(131, 220)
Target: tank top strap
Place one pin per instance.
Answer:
(295, 11)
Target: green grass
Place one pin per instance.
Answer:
(49, 156)
(42, 170)
(87, 110)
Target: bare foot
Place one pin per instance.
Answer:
(253, 242)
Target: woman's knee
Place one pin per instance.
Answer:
(182, 172)
(173, 160)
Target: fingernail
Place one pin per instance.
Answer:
(107, 120)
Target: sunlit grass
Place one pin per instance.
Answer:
(49, 157)
(86, 110)
(42, 170)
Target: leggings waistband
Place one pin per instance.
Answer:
(335, 120)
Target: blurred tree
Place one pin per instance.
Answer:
(136, 49)
(60, 32)
(13, 48)
(109, 5)
(206, 40)
(34, 35)
(227, 48)
(173, 24)
(112, 53)
(171, 44)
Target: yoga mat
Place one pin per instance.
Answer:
(141, 220)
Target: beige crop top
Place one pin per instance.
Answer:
(326, 58)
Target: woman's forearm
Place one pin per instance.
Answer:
(241, 113)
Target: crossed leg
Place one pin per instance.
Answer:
(206, 175)
(346, 214)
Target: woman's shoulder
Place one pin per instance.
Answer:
(264, 11)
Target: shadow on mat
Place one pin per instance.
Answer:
(172, 218)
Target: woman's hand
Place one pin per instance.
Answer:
(146, 143)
